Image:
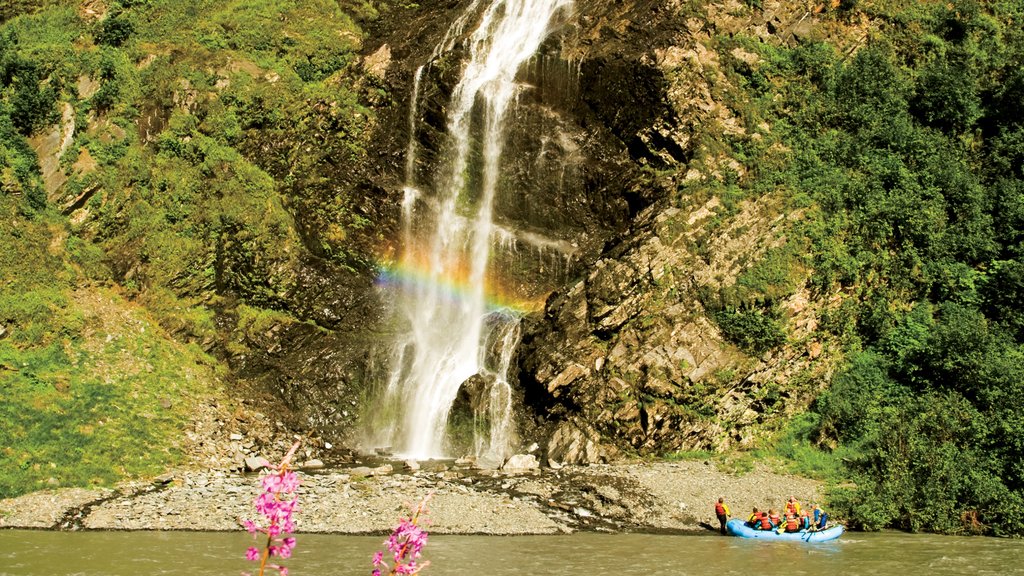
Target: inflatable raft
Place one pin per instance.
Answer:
(736, 527)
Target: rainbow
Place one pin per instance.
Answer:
(455, 287)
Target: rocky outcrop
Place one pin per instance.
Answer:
(630, 357)
(631, 351)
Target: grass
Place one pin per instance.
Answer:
(105, 398)
(93, 390)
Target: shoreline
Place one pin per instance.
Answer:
(648, 497)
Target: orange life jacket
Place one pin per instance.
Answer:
(791, 524)
(719, 509)
(766, 524)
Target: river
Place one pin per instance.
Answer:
(41, 553)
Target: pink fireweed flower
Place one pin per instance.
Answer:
(405, 544)
(275, 504)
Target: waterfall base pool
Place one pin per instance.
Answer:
(39, 553)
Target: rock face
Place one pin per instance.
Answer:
(629, 354)
(629, 357)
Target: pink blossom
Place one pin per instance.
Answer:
(405, 544)
(275, 504)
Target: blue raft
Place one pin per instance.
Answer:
(736, 527)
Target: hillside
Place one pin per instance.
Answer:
(145, 183)
(795, 231)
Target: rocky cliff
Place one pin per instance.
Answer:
(627, 355)
(627, 139)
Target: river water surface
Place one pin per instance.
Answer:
(40, 553)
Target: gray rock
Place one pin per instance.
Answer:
(312, 464)
(256, 463)
(487, 462)
(366, 471)
(571, 444)
(521, 463)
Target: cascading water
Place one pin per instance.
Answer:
(455, 335)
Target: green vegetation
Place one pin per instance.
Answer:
(93, 407)
(905, 157)
(212, 143)
(754, 330)
(92, 390)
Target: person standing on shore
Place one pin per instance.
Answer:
(722, 511)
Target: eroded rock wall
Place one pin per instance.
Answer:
(628, 359)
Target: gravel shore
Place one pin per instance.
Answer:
(637, 497)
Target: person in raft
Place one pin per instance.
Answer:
(773, 518)
(792, 505)
(722, 511)
(765, 522)
(820, 518)
(792, 522)
(755, 518)
(805, 520)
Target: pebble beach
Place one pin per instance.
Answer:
(624, 497)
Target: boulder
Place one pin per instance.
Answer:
(487, 462)
(361, 472)
(521, 463)
(256, 463)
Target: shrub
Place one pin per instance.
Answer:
(753, 330)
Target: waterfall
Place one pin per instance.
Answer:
(456, 335)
